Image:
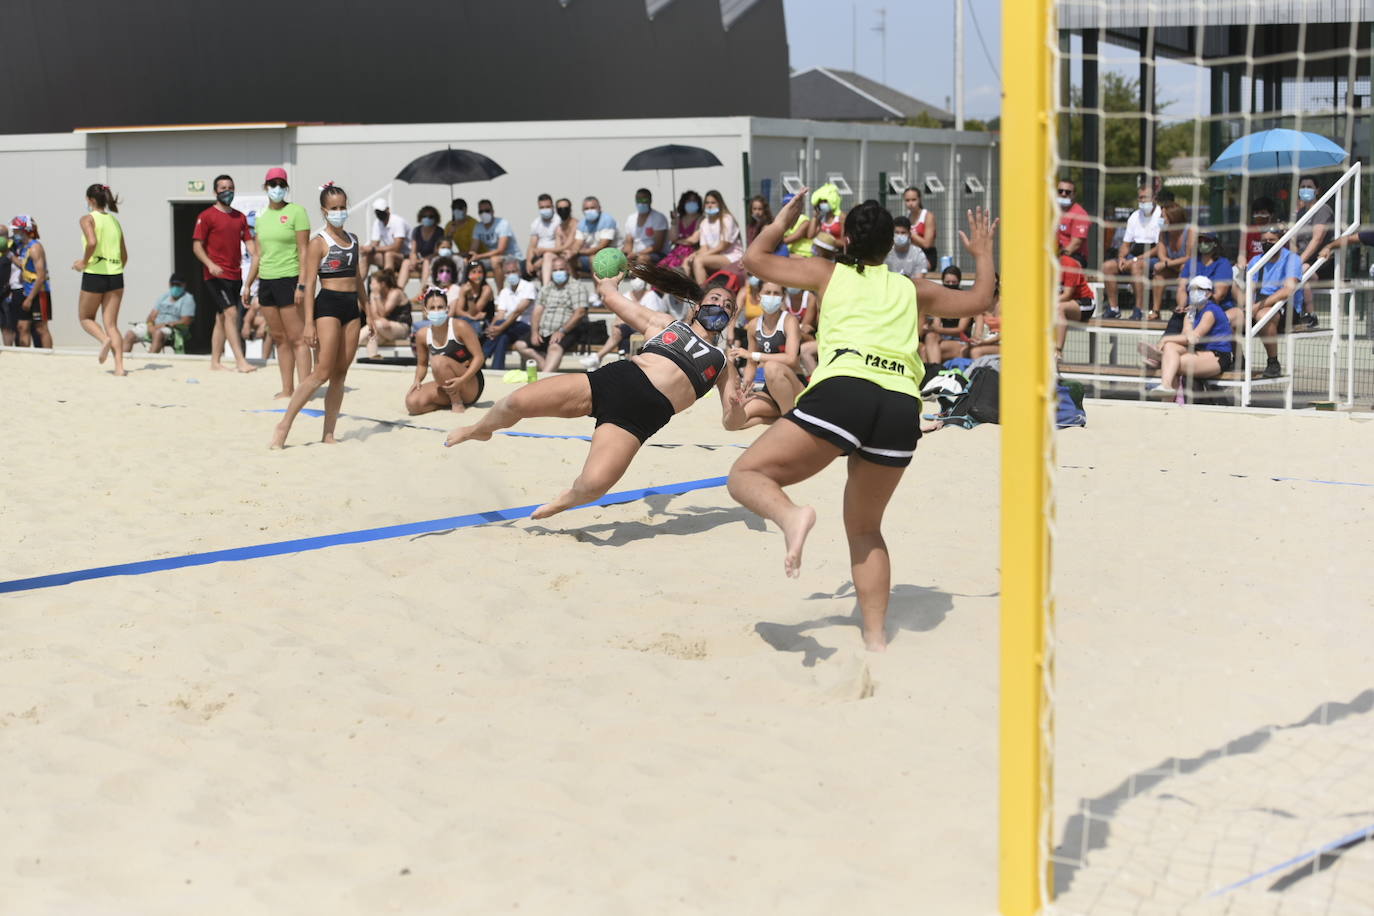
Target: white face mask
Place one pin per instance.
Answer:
(546, 213)
(770, 303)
(445, 252)
(1198, 296)
(438, 316)
(901, 241)
(637, 285)
(276, 195)
(1064, 202)
(512, 280)
(486, 217)
(337, 217)
(591, 216)
(1147, 208)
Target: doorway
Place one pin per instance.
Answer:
(184, 262)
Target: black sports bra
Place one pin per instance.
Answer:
(701, 361)
(771, 343)
(453, 348)
(339, 263)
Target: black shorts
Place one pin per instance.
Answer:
(224, 293)
(12, 309)
(481, 386)
(854, 413)
(39, 310)
(277, 293)
(337, 304)
(623, 396)
(101, 283)
(1225, 357)
(1086, 306)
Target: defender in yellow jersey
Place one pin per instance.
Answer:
(864, 398)
(101, 266)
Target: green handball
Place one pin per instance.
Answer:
(608, 262)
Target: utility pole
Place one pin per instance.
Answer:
(881, 29)
(854, 37)
(958, 64)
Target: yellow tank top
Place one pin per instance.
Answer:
(869, 329)
(801, 248)
(107, 259)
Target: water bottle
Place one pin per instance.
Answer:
(945, 261)
(531, 371)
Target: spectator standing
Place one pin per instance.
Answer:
(425, 240)
(1279, 282)
(388, 314)
(682, 231)
(720, 240)
(493, 240)
(922, 224)
(29, 256)
(646, 231)
(512, 304)
(219, 237)
(559, 320)
(543, 240)
(596, 231)
(1074, 223)
(905, 258)
(333, 315)
(283, 231)
(1175, 248)
(459, 230)
(389, 240)
(1133, 254)
(101, 266)
(170, 319)
(1261, 215)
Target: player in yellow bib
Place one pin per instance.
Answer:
(101, 266)
(864, 399)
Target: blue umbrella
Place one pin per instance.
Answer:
(1278, 150)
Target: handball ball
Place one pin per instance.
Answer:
(608, 262)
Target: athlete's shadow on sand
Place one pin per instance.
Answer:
(910, 607)
(691, 520)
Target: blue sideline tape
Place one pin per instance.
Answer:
(1364, 834)
(300, 545)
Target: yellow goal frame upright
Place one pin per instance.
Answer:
(1027, 256)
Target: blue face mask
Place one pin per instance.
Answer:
(691, 207)
(713, 211)
(560, 277)
(1307, 195)
(459, 214)
(512, 280)
(641, 207)
(177, 291)
(713, 317)
(427, 221)
(437, 316)
(591, 216)
(276, 195)
(823, 207)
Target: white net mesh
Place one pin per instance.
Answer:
(1213, 708)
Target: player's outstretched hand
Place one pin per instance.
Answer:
(982, 228)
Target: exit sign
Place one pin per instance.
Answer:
(196, 187)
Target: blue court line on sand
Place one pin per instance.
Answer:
(1363, 834)
(300, 545)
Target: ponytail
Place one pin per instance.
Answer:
(869, 227)
(669, 281)
(104, 198)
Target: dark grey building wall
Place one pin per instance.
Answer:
(88, 63)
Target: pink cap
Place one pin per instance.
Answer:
(275, 173)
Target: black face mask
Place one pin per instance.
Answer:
(713, 317)
(564, 212)
(225, 197)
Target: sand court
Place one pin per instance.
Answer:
(623, 709)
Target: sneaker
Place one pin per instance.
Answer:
(1272, 368)
(1111, 314)
(1307, 320)
(590, 362)
(1137, 315)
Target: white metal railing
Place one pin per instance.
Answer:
(1252, 327)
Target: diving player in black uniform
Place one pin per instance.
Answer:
(634, 398)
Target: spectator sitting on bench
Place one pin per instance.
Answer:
(1175, 249)
(1205, 349)
(986, 338)
(171, 317)
(389, 241)
(596, 231)
(1261, 215)
(476, 299)
(425, 240)
(508, 324)
(946, 340)
(559, 320)
(1137, 243)
(493, 241)
(388, 313)
(1076, 301)
(543, 239)
(460, 229)
(1278, 284)
(445, 271)
(646, 231)
(619, 337)
(906, 258)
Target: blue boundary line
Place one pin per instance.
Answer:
(362, 536)
(1363, 834)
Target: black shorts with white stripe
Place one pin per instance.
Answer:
(856, 414)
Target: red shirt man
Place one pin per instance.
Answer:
(217, 242)
(1074, 222)
(1072, 281)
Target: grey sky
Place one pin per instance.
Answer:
(920, 46)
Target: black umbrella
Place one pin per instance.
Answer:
(450, 166)
(672, 156)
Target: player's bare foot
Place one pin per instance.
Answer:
(104, 352)
(464, 433)
(795, 528)
(282, 394)
(246, 368)
(875, 642)
(217, 367)
(279, 435)
(566, 500)
(328, 439)
(120, 373)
